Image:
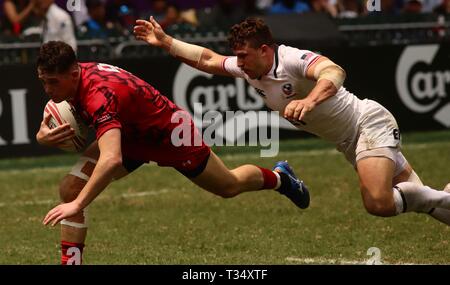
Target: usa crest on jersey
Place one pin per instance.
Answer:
(288, 90)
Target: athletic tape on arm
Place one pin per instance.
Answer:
(330, 71)
(188, 51)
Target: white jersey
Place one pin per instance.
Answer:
(335, 120)
(57, 26)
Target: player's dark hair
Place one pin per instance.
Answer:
(252, 30)
(56, 57)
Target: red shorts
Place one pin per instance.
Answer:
(190, 165)
(190, 159)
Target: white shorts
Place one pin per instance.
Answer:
(393, 154)
(377, 135)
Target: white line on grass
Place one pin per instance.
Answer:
(319, 260)
(37, 170)
(318, 152)
(163, 191)
(49, 202)
(142, 194)
(323, 261)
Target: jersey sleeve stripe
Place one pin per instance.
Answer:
(223, 63)
(312, 61)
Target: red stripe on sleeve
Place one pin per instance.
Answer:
(312, 61)
(223, 63)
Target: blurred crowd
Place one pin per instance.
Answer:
(70, 19)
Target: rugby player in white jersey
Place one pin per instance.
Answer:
(307, 89)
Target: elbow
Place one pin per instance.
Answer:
(113, 162)
(336, 76)
(339, 80)
(116, 162)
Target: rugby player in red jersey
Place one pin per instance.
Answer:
(133, 124)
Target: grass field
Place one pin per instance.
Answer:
(156, 216)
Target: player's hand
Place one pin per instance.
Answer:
(61, 212)
(296, 110)
(150, 32)
(56, 136)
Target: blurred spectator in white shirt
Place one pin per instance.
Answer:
(80, 14)
(56, 23)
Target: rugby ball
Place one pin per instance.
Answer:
(62, 113)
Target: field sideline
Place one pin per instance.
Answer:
(156, 216)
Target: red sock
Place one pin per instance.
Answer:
(270, 179)
(71, 253)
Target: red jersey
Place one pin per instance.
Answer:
(110, 97)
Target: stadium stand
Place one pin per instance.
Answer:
(364, 29)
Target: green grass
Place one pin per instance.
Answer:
(175, 222)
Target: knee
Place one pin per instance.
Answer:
(378, 209)
(227, 190)
(380, 205)
(70, 187)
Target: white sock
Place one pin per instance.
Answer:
(421, 199)
(278, 179)
(398, 200)
(442, 215)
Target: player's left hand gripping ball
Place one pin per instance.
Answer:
(62, 113)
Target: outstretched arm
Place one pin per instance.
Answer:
(109, 161)
(196, 56)
(329, 77)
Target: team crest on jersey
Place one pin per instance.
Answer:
(288, 90)
(103, 119)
